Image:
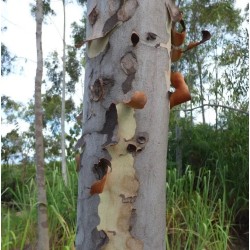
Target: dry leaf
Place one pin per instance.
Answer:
(78, 162)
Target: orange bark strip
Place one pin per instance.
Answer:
(98, 186)
(177, 38)
(138, 100)
(176, 54)
(78, 162)
(181, 93)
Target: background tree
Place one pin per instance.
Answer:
(43, 230)
(63, 151)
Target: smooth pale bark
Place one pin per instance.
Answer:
(43, 232)
(63, 156)
(132, 56)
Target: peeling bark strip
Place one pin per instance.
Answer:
(121, 189)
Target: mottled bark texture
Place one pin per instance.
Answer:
(43, 234)
(126, 113)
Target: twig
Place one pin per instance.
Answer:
(214, 105)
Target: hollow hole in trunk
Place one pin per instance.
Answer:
(131, 148)
(135, 39)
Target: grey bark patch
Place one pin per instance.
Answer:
(111, 122)
(80, 142)
(100, 88)
(104, 53)
(124, 13)
(174, 11)
(129, 63)
(127, 10)
(110, 24)
(93, 16)
(127, 84)
(100, 238)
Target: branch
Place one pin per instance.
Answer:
(215, 105)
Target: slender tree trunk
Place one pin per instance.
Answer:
(124, 142)
(64, 167)
(43, 234)
(216, 87)
(201, 92)
(178, 152)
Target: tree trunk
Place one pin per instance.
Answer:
(122, 177)
(43, 234)
(201, 91)
(64, 167)
(178, 152)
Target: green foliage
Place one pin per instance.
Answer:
(6, 60)
(46, 9)
(73, 68)
(10, 108)
(82, 2)
(11, 146)
(235, 63)
(79, 31)
(54, 73)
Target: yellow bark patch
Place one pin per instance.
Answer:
(121, 186)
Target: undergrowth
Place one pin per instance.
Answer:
(198, 216)
(197, 213)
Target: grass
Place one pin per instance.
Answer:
(19, 216)
(197, 213)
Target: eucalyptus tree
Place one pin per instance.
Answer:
(122, 168)
(43, 230)
(63, 151)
